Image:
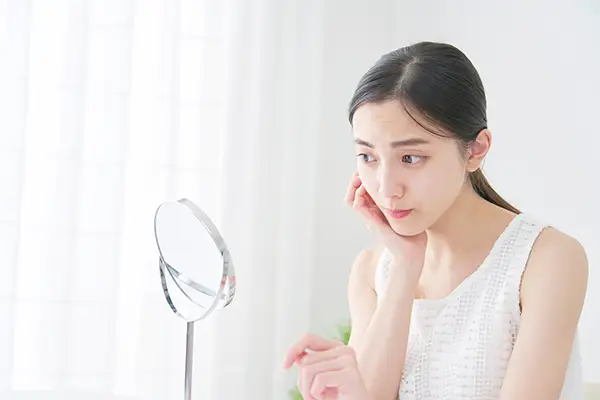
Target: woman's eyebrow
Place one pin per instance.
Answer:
(397, 143)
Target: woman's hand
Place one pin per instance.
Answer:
(328, 369)
(408, 251)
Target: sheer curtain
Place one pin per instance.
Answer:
(109, 107)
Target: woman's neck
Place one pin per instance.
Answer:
(464, 235)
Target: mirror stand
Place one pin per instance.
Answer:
(189, 361)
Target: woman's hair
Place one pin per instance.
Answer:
(440, 89)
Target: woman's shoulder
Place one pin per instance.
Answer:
(551, 241)
(557, 261)
(553, 245)
(365, 265)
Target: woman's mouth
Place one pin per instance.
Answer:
(397, 214)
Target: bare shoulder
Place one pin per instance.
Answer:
(362, 272)
(557, 250)
(557, 262)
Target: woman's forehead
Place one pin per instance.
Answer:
(390, 121)
(385, 124)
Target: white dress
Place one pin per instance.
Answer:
(459, 346)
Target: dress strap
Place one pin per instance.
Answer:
(514, 256)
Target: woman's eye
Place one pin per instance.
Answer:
(408, 159)
(365, 158)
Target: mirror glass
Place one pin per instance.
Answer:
(195, 265)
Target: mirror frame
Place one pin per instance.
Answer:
(222, 297)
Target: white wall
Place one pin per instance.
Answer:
(540, 63)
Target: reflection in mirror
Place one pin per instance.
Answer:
(196, 271)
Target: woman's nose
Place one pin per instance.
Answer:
(390, 183)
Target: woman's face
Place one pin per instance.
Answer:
(412, 175)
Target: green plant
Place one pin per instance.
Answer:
(343, 334)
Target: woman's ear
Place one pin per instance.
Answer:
(478, 150)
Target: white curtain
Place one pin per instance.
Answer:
(108, 108)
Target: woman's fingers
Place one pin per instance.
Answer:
(308, 374)
(361, 204)
(360, 198)
(364, 204)
(299, 359)
(308, 342)
(328, 369)
(319, 356)
(324, 382)
(354, 184)
(315, 364)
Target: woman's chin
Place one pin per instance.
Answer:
(406, 226)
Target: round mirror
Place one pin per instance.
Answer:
(195, 266)
(196, 272)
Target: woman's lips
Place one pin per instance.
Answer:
(397, 214)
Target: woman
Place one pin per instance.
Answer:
(466, 298)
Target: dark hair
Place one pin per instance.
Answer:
(440, 89)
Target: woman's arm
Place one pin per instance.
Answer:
(362, 298)
(379, 333)
(552, 295)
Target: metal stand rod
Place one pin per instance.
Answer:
(189, 360)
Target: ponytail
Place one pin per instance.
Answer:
(483, 188)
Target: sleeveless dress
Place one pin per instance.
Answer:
(459, 346)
